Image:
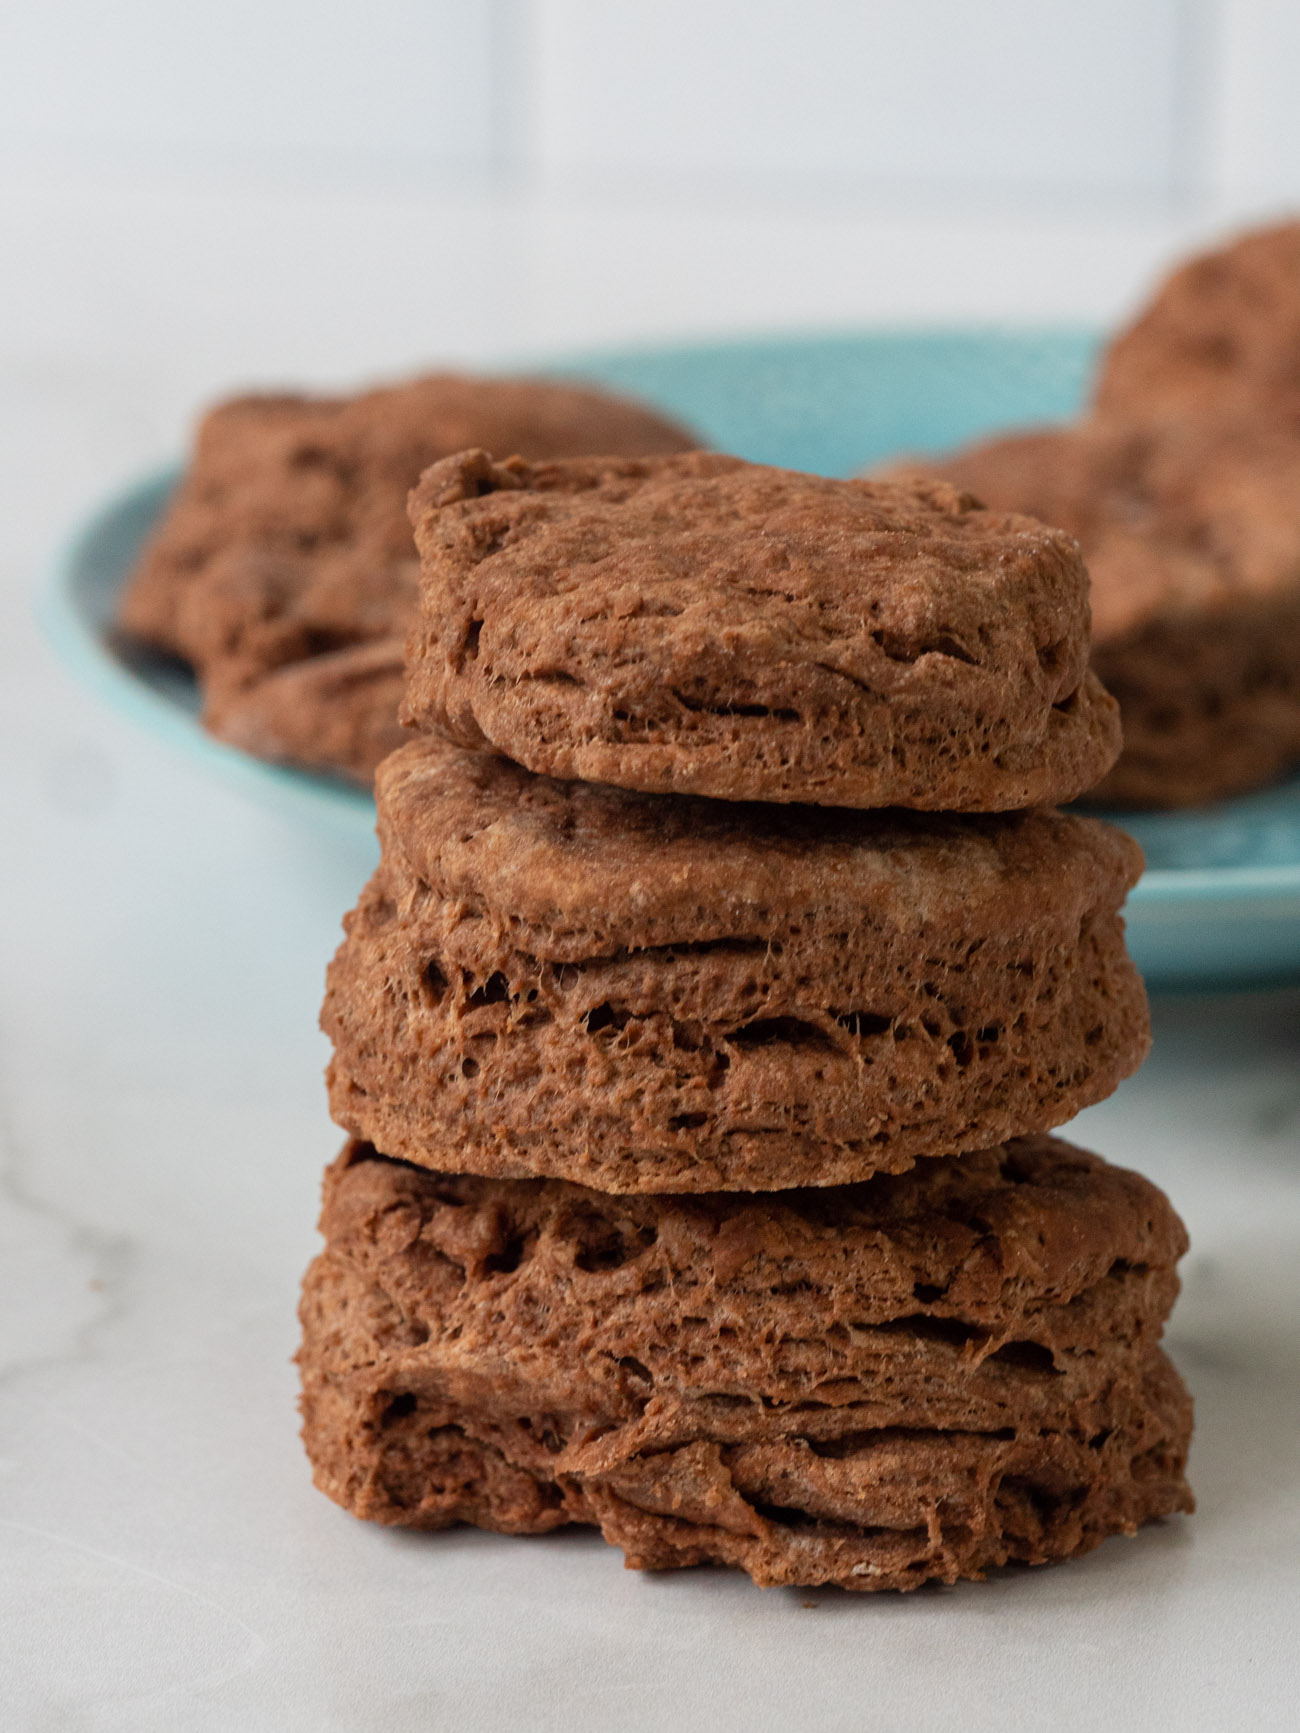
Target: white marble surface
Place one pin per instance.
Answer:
(164, 1561)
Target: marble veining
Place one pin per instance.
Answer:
(61, 1275)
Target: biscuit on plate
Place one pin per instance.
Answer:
(1191, 533)
(1220, 337)
(284, 568)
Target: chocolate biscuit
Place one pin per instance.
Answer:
(1191, 532)
(696, 624)
(284, 569)
(1220, 338)
(915, 1378)
(645, 993)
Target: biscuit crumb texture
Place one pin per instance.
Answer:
(920, 1378)
(695, 624)
(650, 994)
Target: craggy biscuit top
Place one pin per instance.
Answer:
(576, 868)
(1221, 336)
(1060, 475)
(700, 624)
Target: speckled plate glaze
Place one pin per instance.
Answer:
(1219, 904)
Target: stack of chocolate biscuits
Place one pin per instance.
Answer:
(700, 1033)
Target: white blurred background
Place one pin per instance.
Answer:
(199, 196)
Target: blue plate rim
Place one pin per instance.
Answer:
(84, 651)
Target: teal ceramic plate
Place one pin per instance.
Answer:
(1219, 904)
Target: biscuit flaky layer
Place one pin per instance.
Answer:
(1191, 532)
(284, 568)
(695, 624)
(920, 1377)
(648, 994)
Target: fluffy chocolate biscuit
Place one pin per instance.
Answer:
(919, 1377)
(1191, 531)
(644, 993)
(284, 569)
(700, 625)
(1220, 337)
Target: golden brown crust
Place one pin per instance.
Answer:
(696, 624)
